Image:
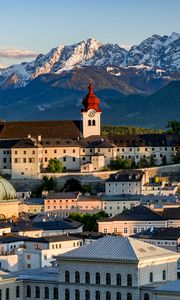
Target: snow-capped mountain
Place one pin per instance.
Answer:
(156, 52)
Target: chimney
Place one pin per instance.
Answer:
(39, 138)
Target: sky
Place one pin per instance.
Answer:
(30, 27)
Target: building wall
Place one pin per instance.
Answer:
(9, 262)
(117, 188)
(5, 161)
(102, 268)
(9, 208)
(25, 162)
(115, 207)
(127, 228)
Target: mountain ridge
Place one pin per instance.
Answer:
(160, 53)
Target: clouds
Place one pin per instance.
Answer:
(15, 53)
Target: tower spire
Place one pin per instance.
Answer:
(91, 101)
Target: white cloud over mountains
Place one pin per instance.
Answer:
(16, 53)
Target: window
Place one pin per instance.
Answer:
(98, 278)
(45, 151)
(108, 296)
(164, 275)
(64, 151)
(87, 277)
(125, 230)
(28, 291)
(129, 296)
(93, 122)
(15, 152)
(98, 296)
(108, 278)
(67, 276)
(67, 294)
(129, 280)
(77, 295)
(4, 160)
(146, 296)
(105, 230)
(37, 292)
(77, 277)
(135, 229)
(55, 293)
(55, 151)
(24, 160)
(74, 150)
(33, 152)
(46, 293)
(29, 256)
(17, 292)
(28, 266)
(118, 296)
(74, 159)
(118, 279)
(151, 277)
(7, 294)
(87, 295)
(64, 158)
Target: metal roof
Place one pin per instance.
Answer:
(118, 248)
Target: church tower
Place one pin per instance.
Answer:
(91, 114)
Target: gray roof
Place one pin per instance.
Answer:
(137, 213)
(34, 201)
(117, 248)
(63, 195)
(126, 176)
(48, 273)
(170, 233)
(121, 197)
(172, 286)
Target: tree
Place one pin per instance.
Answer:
(88, 220)
(120, 163)
(48, 184)
(72, 185)
(54, 166)
(174, 127)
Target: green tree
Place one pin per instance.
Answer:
(54, 166)
(88, 220)
(177, 157)
(120, 163)
(174, 127)
(72, 185)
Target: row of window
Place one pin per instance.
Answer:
(108, 278)
(145, 149)
(87, 296)
(24, 160)
(38, 293)
(98, 278)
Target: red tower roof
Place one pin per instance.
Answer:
(91, 101)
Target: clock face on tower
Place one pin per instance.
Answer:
(91, 113)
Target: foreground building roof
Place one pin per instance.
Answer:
(117, 248)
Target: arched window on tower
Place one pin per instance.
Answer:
(93, 123)
(89, 122)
